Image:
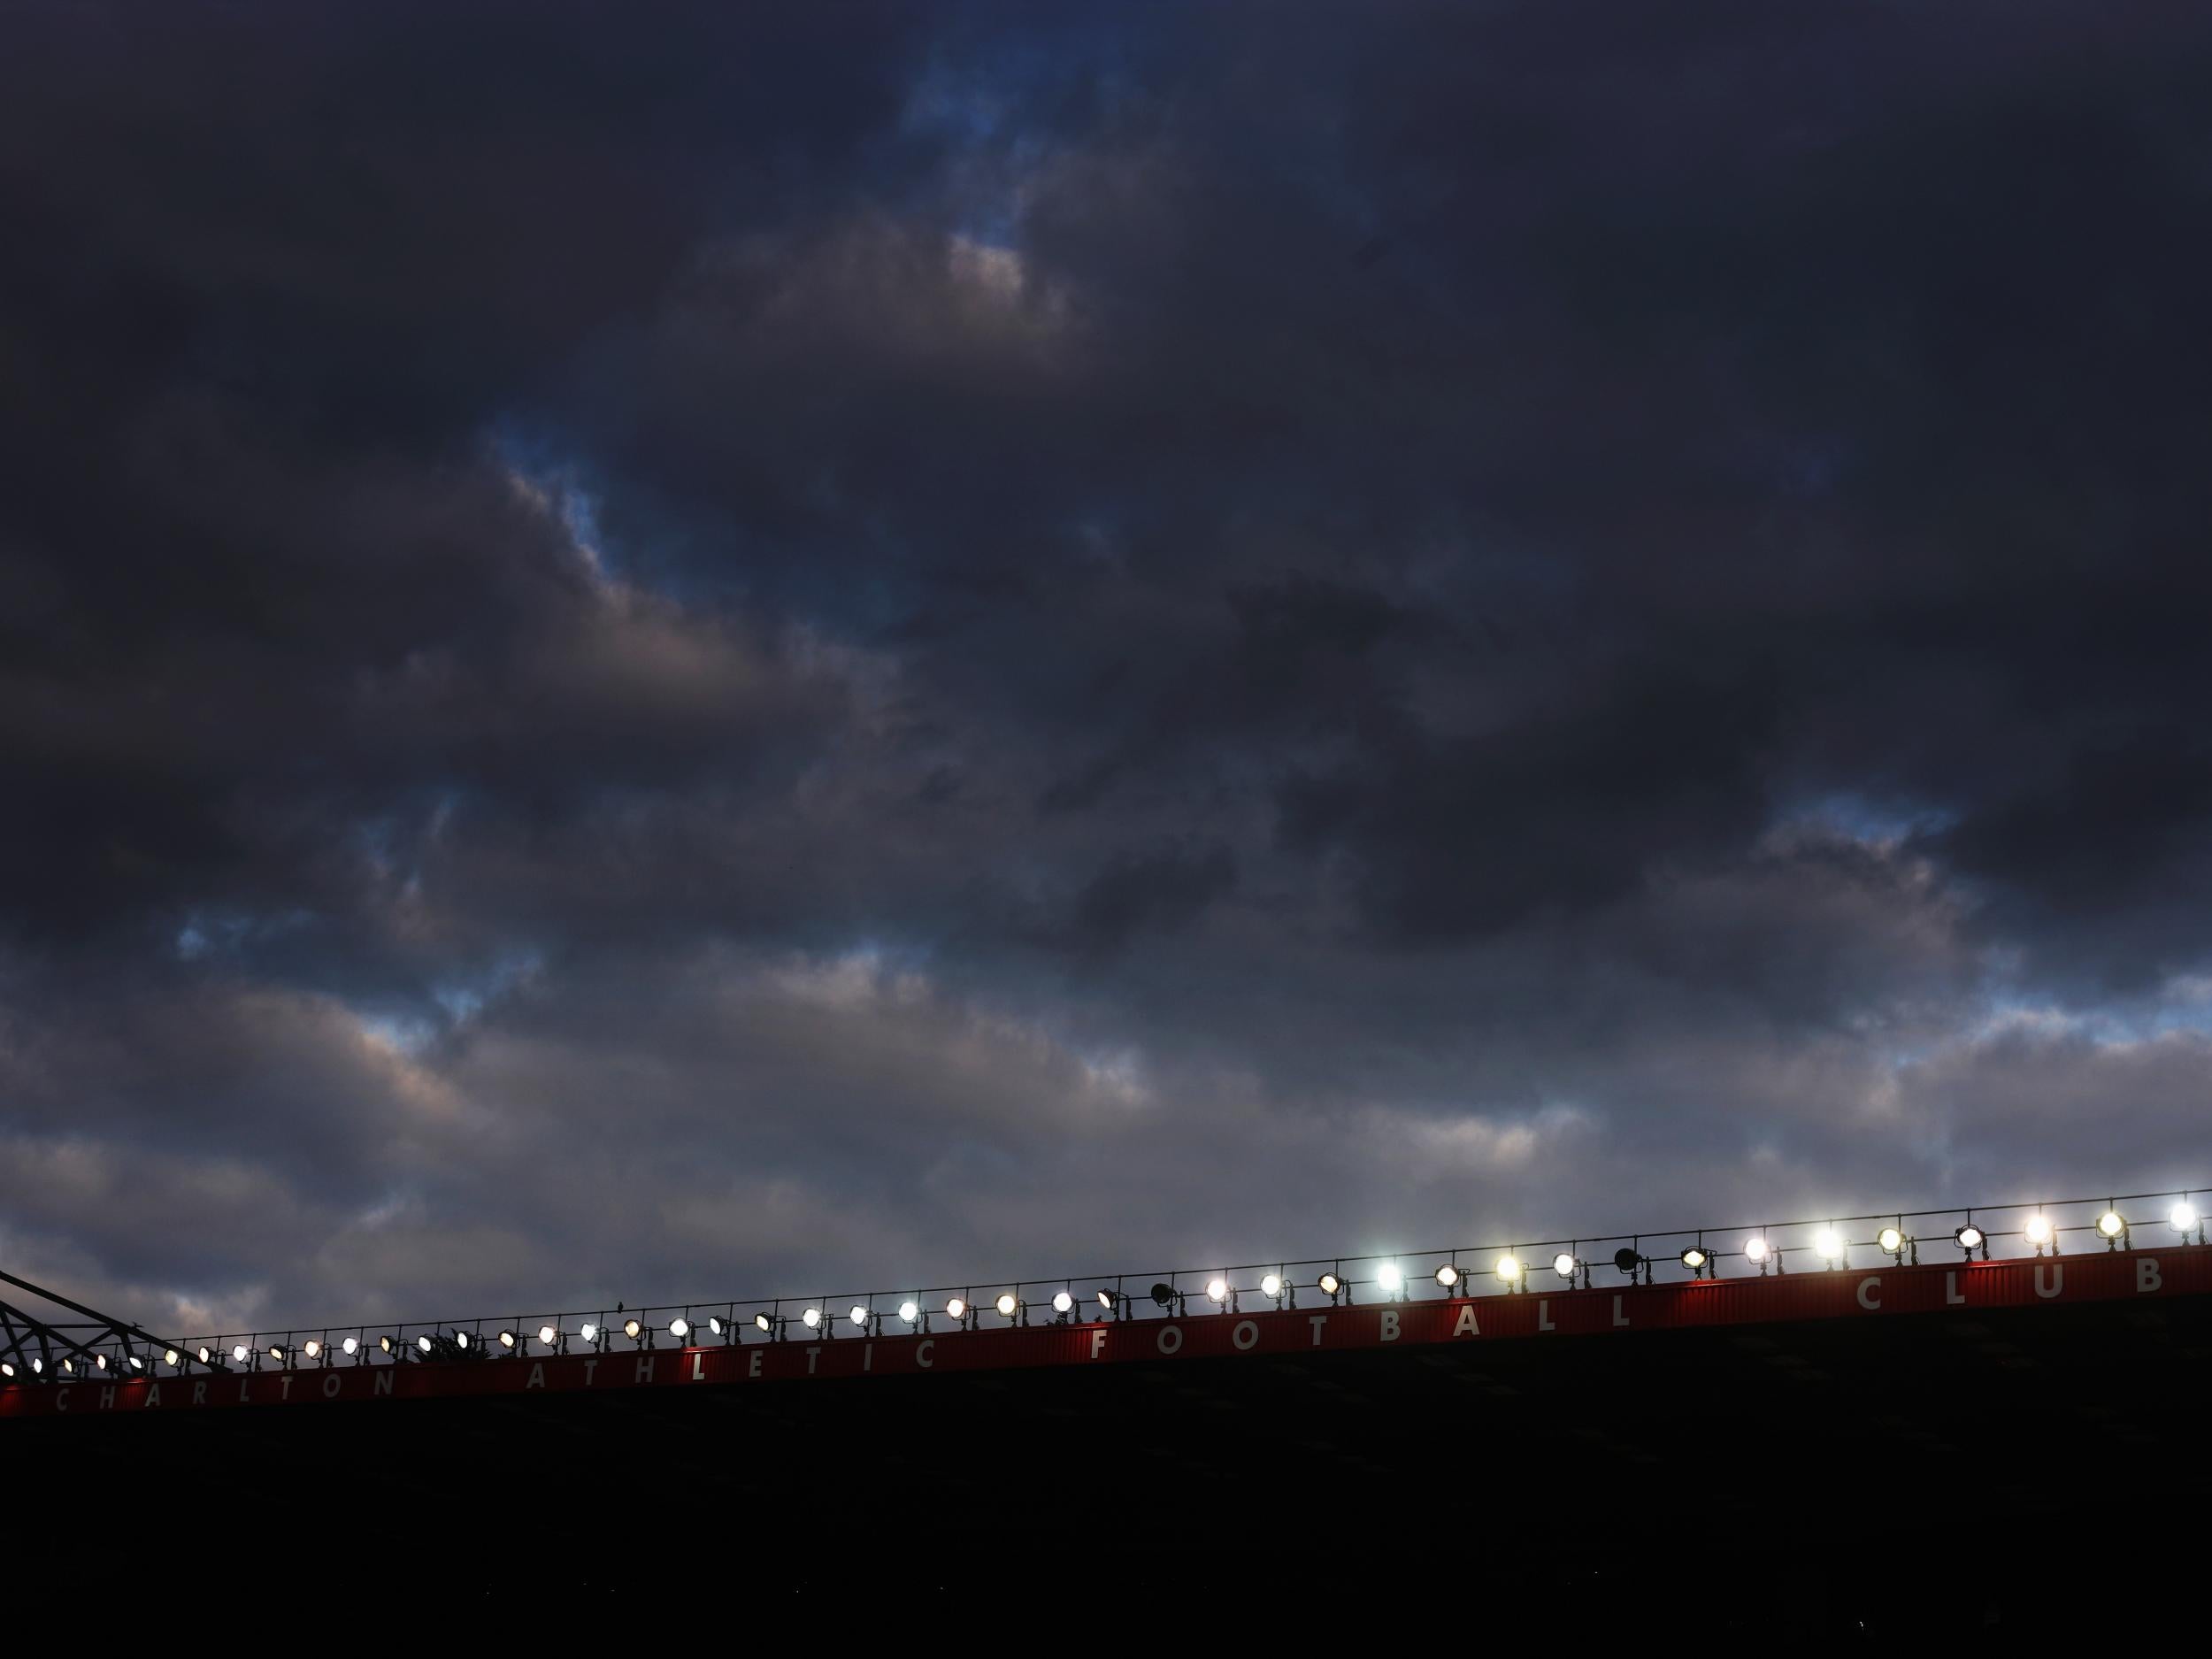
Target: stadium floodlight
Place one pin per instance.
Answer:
(1062, 1302)
(857, 1314)
(679, 1327)
(170, 1356)
(1830, 1247)
(2038, 1230)
(1390, 1279)
(1216, 1290)
(1697, 1258)
(7, 1368)
(1447, 1275)
(352, 1346)
(1756, 1250)
(68, 1364)
(910, 1311)
(464, 1341)
(312, 1348)
(201, 1355)
(2183, 1218)
(1272, 1286)
(956, 1308)
(2112, 1227)
(239, 1352)
(1566, 1265)
(1970, 1238)
(387, 1343)
(811, 1318)
(1008, 1304)
(634, 1328)
(549, 1335)
(507, 1339)
(1330, 1285)
(589, 1332)
(1630, 1261)
(423, 1342)
(1509, 1269)
(1165, 1296)
(100, 1362)
(136, 1363)
(276, 1353)
(715, 1327)
(764, 1321)
(1110, 1299)
(1895, 1241)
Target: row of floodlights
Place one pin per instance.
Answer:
(1828, 1244)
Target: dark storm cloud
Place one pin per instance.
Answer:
(932, 640)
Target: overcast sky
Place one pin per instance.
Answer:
(689, 652)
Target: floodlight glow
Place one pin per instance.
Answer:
(423, 1342)
(37, 1365)
(1693, 1258)
(101, 1361)
(352, 1346)
(1270, 1284)
(1755, 1249)
(171, 1356)
(2038, 1229)
(137, 1363)
(202, 1353)
(462, 1339)
(69, 1365)
(2183, 1217)
(1970, 1237)
(1216, 1290)
(1510, 1268)
(1007, 1303)
(764, 1322)
(1828, 1245)
(1389, 1279)
(632, 1329)
(1447, 1275)
(956, 1308)
(239, 1352)
(587, 1331)
(1330, 1283)
(312, 1348)
(909, 1312)
(2111, 1224)
(1890, 1240)
(811, 1318)
(1564, 1264)
(679, 1327)
(6, 1370)
(1062, 1301)
(548, 1335)
(857, 1314)
(276, 1353)
(1108, 1300)
(714, 1325)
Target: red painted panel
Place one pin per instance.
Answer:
(1862, 1293)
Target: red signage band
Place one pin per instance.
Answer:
(1835, 1293)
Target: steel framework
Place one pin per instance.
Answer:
(34, 1350)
